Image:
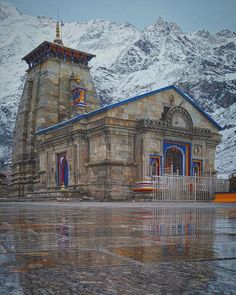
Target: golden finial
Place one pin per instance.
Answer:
(78, 79)
(58, 37)
(57, 31)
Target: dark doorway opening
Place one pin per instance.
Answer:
(62, 170)
(174, 161)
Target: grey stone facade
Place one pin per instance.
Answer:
(105, 150)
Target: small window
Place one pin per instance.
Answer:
(165, 111)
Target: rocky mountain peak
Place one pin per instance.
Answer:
(226, 34)
(203, 34)
(8, 10)
(161, 26)
(128, 62)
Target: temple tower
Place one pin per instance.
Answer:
(58, 87)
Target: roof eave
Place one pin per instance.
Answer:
(51, 43)
(125, 101)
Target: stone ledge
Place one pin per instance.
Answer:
(110, 163)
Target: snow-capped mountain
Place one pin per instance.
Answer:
(226, 151)
(128, 62)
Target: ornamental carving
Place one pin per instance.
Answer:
(179, 121)
(155, 145)
(178, 117)
(167, 126)
(197, 150)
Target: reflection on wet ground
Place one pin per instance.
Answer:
(117, 248)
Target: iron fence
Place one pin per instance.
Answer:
(187, 188)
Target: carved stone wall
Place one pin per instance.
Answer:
(108, 151)
(45, 101)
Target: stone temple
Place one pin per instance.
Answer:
(65, 140)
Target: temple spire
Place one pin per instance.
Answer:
(58, 35)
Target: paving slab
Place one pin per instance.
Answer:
(117, 248)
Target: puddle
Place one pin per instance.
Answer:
(73, 240)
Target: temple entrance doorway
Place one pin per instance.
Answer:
(62, 170)
(174, 161)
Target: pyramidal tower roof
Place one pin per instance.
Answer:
(57, 49)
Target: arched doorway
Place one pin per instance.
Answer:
(174, 161)
(197, 167)
(155, 162)
(62, 170)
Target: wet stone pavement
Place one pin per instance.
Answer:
(117, 248)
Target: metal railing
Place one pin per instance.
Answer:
(187, 188)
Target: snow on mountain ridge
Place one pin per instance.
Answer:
(226, 150)
(8, 10)
(128, 62)
(103, 38)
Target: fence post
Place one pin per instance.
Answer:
(154, 183)
(210, 189)
(179, 188)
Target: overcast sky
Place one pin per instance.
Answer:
(190, 15)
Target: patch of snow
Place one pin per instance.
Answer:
(128, 63)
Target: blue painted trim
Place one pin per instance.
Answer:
(203, 163)
(80, 104)
(125, 101)
(190, 159)
(180, 145)
(161, 161)
(66, 174)
(78, 87)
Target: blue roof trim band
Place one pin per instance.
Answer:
(125, 101)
